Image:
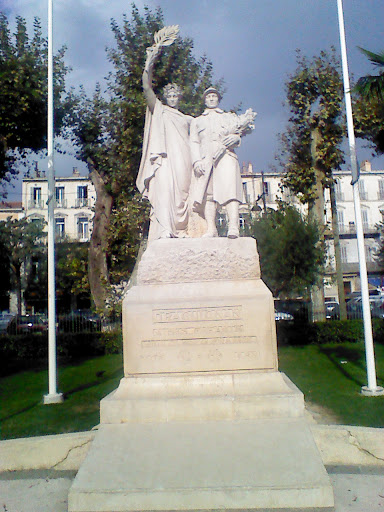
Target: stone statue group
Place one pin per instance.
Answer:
(189, 165)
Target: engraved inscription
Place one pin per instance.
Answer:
(247, 354)
(197, 332)
(205, 314)
(200, 341)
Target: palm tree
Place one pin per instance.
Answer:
(372, 86)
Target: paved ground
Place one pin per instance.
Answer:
(356, 489)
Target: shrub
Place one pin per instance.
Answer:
(22, 351)
(334, 331)
(112, 341)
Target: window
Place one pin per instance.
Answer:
(340, 220)
(245, 194)
(36, 197)
(82, 195)
(60, 197)
(82, 228)
(344, 256)
(241, 222)
(60, 227)
(362, 191)
(364, 215)
(381, 189)
(339, 194)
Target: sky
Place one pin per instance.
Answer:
(251, 44)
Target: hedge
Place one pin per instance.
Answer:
(18, 352)
(331, 331)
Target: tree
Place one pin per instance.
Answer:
(311, 145)
(23, 92)
(291, 257)
(108, 131)
(372, 86)
(72, 286)
(22, 240)
(369, 105)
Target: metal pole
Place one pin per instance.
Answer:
(372, 389)
(53, 396)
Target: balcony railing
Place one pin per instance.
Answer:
(36, 203)
(61, 203)
(82, 202)
(351, 228)
(363, 196)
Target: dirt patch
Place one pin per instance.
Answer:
(321, 415)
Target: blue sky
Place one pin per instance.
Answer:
(251, 43)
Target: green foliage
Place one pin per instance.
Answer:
(290, 256)
(332, 376)
(21, 351)
(112, 341)
(84, 384)
(314, 96)
(333, 331)
(22, 241)
(23, 92)
(372, 86)
(319, 333)
(71, 274)
(368, 108)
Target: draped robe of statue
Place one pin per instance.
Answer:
(165, 170)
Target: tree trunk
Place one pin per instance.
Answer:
(317, 214)
(17, 273)
(336, 246)
(97, 255)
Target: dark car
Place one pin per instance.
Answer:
(22, 324)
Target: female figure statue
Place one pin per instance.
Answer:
(165, 170)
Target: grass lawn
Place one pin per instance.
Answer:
(84, 384)
(332, 376)
(328, 375)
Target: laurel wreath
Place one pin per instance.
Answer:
(166, 36)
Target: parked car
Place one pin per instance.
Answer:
(282, 315)
(332, 310)
(355, 306)
(21, 324)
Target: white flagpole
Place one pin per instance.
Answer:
(53, 396)
(372, 389)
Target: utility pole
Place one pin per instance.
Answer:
(372, 389)
(53, 396)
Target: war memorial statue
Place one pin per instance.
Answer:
(203, 419)
(175, 145)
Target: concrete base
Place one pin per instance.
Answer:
(378, 391)
(204, 396)
(249, 465)
(53, 398)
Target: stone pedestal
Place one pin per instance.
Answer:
(202, 419)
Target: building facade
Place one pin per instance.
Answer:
(74, 201)
(263, 190)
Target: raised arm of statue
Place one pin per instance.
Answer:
(152, 54)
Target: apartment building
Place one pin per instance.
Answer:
(74, 200)
(263, 190)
